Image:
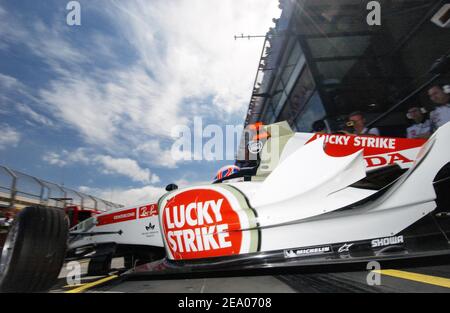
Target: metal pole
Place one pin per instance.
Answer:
(81, 197)
(95, 201)
(257, 75)
(13, 193)
(41, 195)
(64, 195)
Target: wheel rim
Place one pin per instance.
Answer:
(8, 249)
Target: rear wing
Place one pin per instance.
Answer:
(378, 152)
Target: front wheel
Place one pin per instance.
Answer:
(34, 250)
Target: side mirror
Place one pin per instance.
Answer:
(171, 187)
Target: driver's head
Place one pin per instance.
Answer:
(438, 96)
(226, 171)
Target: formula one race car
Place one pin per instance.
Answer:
(312, 199)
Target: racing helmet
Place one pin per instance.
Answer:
(226, 171)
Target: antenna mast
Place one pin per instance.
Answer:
(242, 36)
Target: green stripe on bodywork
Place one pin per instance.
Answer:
(251, 216)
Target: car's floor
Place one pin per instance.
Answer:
(420, 279)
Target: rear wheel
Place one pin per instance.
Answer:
(34, 250)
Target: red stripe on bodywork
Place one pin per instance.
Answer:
(117, 217)
(339, 150)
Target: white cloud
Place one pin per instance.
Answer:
(80, 155)
(160, 64)
(190, 46)
(106, 164)
(127, 197)
(9, 138)
(8, 82)
(186, 53)
(66, 157)
(11, 87)
(126, 167)
(154, 154)
(54, 158)
(33, 115)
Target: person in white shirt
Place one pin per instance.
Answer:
(358, 122)
(441, 114)
(421, 127)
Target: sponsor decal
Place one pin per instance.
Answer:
(148, 210)
(388, 241)
(150, 227)
(255, 146)
(388, 159)
(150, 230)
(116, 217)
(345, 247)
(377, 151)
(293, 253)
(202, 223)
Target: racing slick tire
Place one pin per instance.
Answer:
(34, 250)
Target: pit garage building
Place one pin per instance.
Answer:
(323, 60)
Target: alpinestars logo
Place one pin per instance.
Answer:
(345, 247)
(383, 242)
(149, 227)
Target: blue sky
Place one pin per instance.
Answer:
(94, 105)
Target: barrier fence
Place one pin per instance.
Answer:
(20, 190)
